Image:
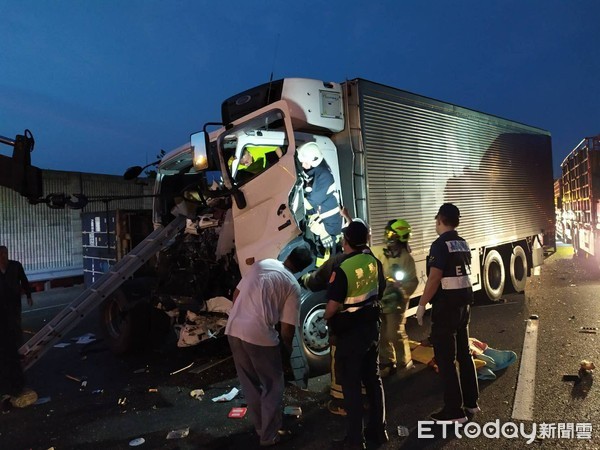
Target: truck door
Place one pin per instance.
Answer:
(257, 159)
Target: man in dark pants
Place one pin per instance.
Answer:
(12, 379)
(449, 289)
(267, 295)
(352, 311)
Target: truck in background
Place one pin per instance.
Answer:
(392, 154)
(580, 211)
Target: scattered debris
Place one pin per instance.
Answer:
(227, 397)
(183, 368)
(71, 377)
(42, 400)
(178, 434)
(572, 318)
(144, 370)
(152, 390)
(572, 285)
(98, 391)
(136, 442)
(122, 401)
(237, 412)
(587, 366)
(294, 411)
(198, 394)
(62, 345)
(85, 339)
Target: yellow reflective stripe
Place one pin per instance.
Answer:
(449, 283)
(360, 298)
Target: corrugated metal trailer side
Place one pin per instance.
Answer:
(418, 153)
(48, 241)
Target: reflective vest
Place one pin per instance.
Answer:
(455, 285)
(362, 274)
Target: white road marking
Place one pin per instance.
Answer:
(524, 397)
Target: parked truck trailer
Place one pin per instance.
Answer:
(580, 183)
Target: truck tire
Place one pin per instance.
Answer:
(518, 268)
(126, 324)
(313, 328)
(493, 275)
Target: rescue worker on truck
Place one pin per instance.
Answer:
(401, 282)
(352, 311)
(321, 196)
(254, 159)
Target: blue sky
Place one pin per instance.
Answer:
(104, 85)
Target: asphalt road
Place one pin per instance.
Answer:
(564, 297)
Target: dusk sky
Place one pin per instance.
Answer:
(104, 85)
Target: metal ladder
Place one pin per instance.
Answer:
(93, 296)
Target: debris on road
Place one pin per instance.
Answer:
(42, 400)
(227, 397)
(587, 366)
(178, 434)
(85, 339)
(198, 394)
(136, 442)
(71, 377)
(589, 330)
(237, 412)
(183, 368)
(294, 411)
(62, 345)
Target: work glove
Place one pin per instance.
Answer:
(316, 226)
(327, 241)
(420, 314)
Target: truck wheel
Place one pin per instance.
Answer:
(315, 338)
(493, 275)
(126, 325)
(518, 268)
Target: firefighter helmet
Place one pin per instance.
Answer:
(310, 153)
(398, 229)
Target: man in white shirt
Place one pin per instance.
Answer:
(266, 296)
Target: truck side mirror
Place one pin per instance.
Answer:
(200, 156)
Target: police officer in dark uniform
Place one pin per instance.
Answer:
(352, 311)
(449, 289)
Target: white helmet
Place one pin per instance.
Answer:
(309, 153)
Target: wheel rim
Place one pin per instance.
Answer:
(314, 331)
(518, 269)
(494, 275)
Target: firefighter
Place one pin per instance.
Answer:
(401, 282)
(321, 196)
